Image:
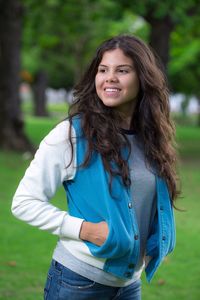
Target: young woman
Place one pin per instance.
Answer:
(115, 159)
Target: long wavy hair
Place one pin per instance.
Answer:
(150, 118)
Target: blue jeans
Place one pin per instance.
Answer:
(64, 284)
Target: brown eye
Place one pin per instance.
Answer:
(101, 70)
(123, 71)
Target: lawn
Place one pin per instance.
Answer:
(25, 252)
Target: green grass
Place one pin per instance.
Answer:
(42, 125)
(25, 251)
(188, 138)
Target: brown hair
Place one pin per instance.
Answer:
(151, 117)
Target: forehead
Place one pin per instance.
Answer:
(115, 57)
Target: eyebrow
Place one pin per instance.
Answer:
(118, 66)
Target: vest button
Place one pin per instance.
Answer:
(136, 237)
(130, 205)
(131, 266)
(127, 274)
(163, 238)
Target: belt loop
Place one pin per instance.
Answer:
(57, 265)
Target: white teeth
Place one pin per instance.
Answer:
(111, 90)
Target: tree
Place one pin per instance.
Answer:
(184, 68)
(165, 20)
(39, 92)
(62, 45)
(163, 17)
(60, 48)
(12, 134)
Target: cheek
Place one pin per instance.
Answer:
(134, 86)
(98, 82)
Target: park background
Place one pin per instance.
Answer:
(44, 48)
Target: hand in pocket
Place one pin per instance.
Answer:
(95, 233)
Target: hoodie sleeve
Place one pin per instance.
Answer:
(47, 171)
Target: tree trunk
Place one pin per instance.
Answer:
(161, 30)
(39, 92)
(11, 124)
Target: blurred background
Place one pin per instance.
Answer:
(44, 48)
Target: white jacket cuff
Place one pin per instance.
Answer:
(71, 227)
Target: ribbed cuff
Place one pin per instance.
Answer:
(71, 227)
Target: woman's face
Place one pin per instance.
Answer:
(116, 81)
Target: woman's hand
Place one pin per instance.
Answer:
(95, 233)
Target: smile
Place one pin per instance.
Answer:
(112, 89)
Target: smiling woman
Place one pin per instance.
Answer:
(114, 157)
(117, 83)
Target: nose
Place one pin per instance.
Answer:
(111, 77)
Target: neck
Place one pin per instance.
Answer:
(126, 115)
(126, 122)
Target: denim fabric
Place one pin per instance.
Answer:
(64, 284)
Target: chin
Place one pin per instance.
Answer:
(110, 103)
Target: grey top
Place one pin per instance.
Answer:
(143, 190)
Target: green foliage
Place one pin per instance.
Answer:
(64, 40)
(160, 9)
(184, 67)
(61, 36)
(130, 24)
